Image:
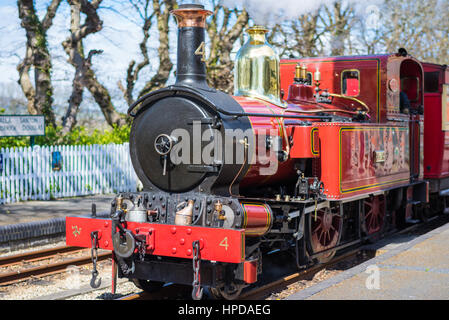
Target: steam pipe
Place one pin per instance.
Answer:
(269, 115)
(363, 104)
(325, 110)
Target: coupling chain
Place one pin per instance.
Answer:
(197, 292)
(94, 255)
(141, 249)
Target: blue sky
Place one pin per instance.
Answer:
(119, 39)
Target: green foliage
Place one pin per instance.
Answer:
(8, 142)
(78, 136)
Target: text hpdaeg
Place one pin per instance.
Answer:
(244, 309)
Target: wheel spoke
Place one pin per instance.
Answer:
(321, 235)
(329, 236)
(317, 228)
(374, 214)
(324, 232)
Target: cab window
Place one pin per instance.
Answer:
(350, 83)
(431, 82)
(410, 85)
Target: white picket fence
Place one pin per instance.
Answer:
(27, 173)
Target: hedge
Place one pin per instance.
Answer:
(78, 136)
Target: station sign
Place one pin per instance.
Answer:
(22, 125)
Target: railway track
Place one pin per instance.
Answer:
(263, 291)
(282, 283)
(36, 255)
(252, 294)
(23, 260)
(25, 270)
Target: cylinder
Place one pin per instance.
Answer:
(191, 54)
(257, 218)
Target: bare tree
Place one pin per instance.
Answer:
(37, 56)
(148, 10)
(224, 29)
(132, 74)
(84, 74)
(222, 35)
(308, 35)
(369, 36)
(75, 51)
(425, 33)
(301, 37)
(165, 64)
(338, 22)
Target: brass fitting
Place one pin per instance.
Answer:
(298, 71)
(221, 215)
(119, 202)
(218, 206)
(304, 71)
(184, 216)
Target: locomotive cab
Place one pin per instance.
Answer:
(411, 87)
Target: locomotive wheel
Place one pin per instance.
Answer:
(325, 232)
(422, 212)
(374, 209)
(437, 206)
(147, 285)
(228, 292)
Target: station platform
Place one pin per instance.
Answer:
(408, 268)
(29, 211)
(31, 223)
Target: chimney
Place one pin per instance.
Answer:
(191, 60)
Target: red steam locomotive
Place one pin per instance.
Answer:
(310, 155)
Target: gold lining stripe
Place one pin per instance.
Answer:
(242, 243)
(312, 142)
(368, 186)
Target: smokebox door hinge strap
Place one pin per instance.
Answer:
(197, 292)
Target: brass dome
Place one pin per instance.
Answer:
(256, 72)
